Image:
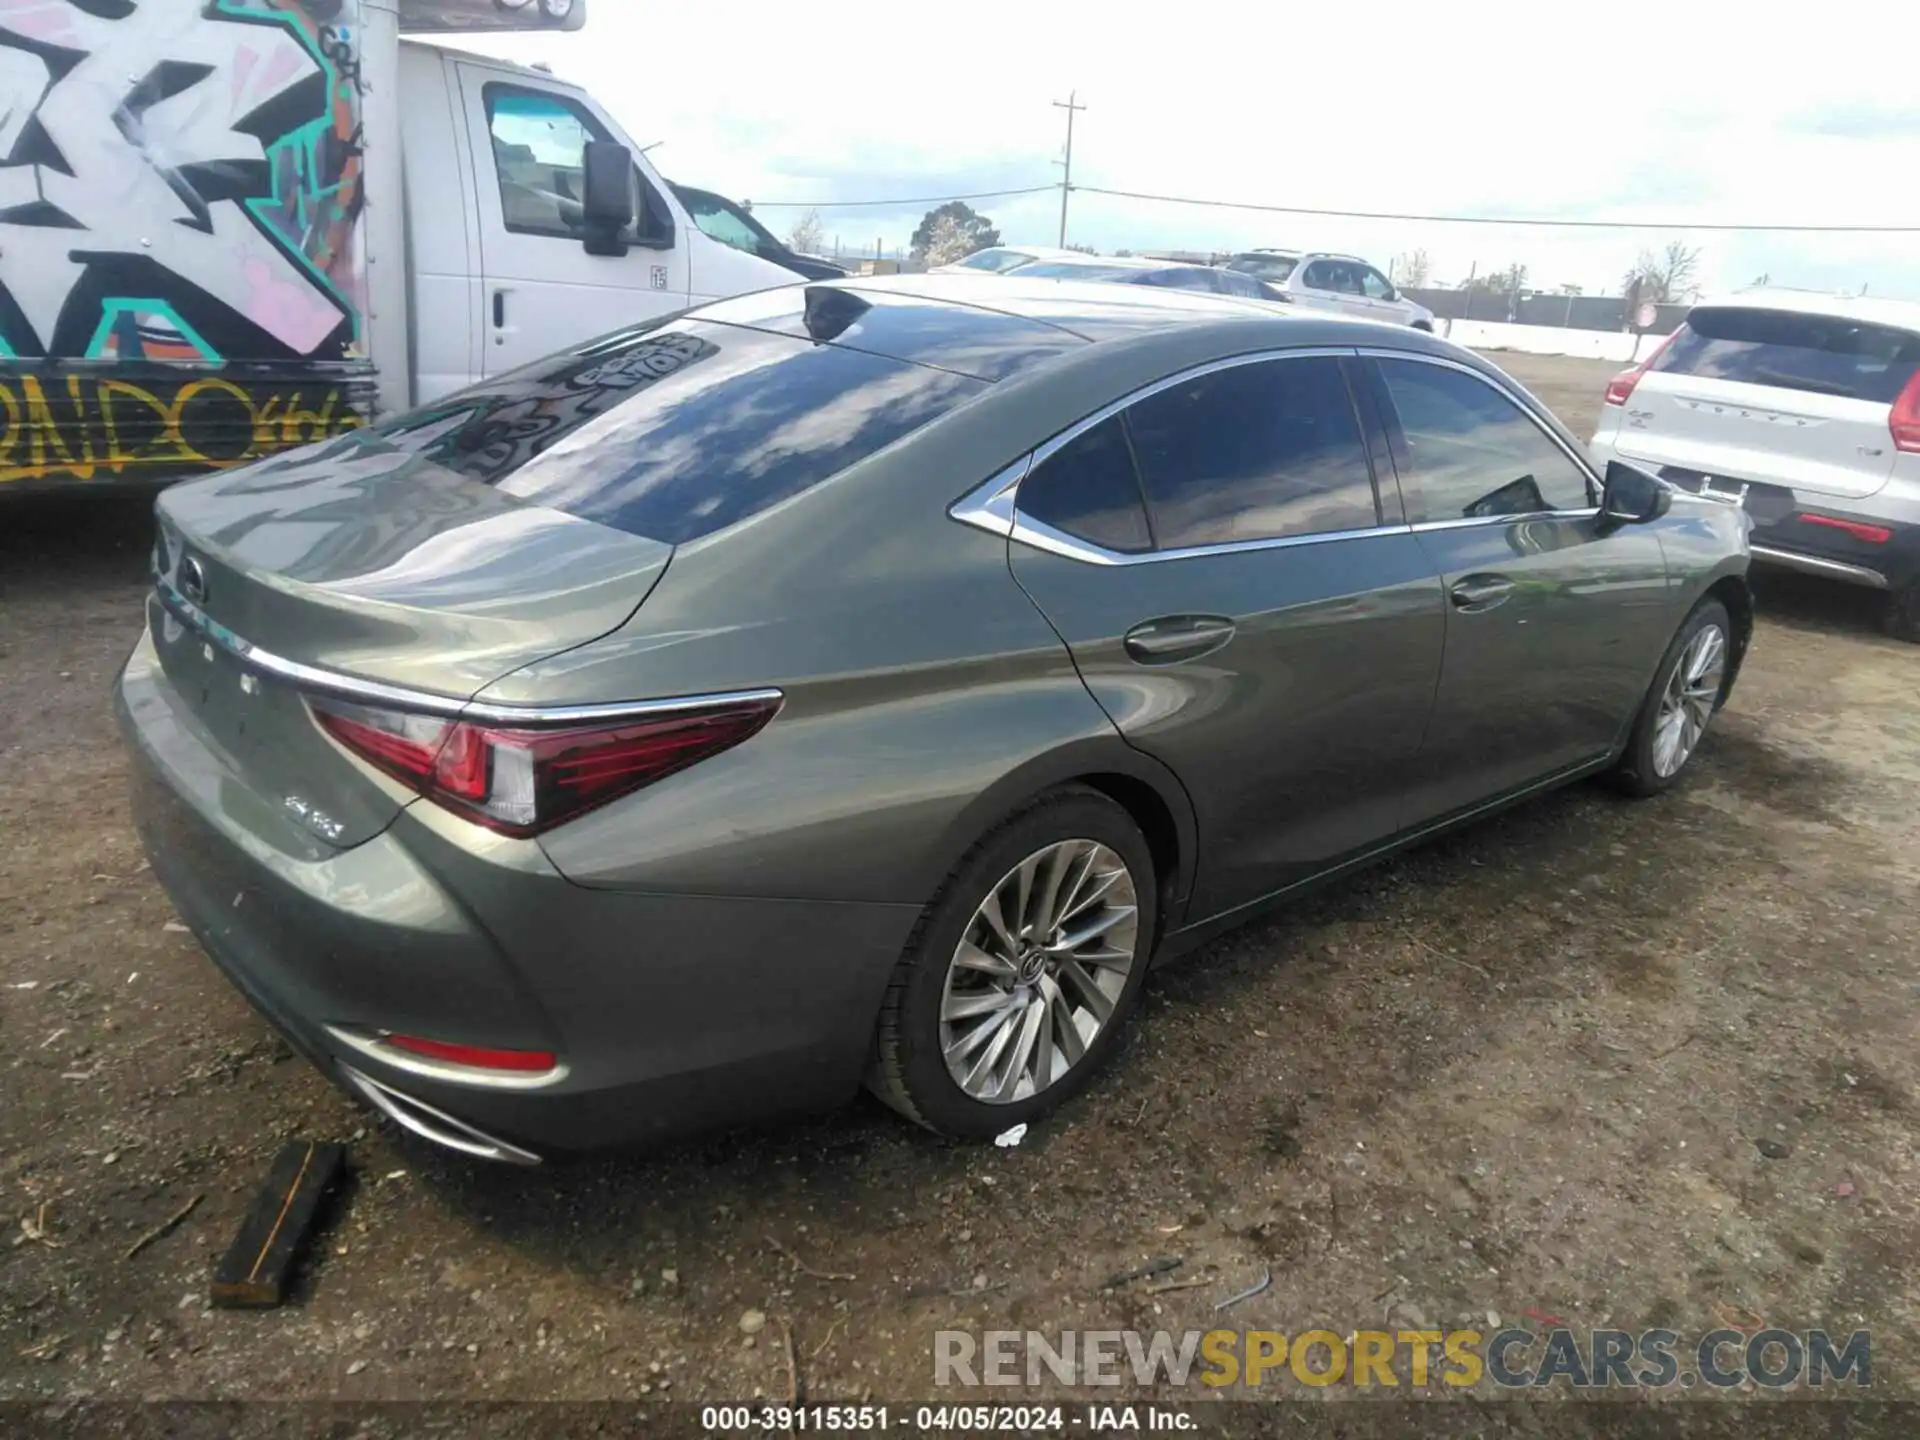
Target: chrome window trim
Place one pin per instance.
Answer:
(1520, 401)
(426, 702)
(994, 506)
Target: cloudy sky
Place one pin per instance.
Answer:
(1680, 113)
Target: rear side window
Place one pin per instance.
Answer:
(1267, 267)
(1253, 452)
(680, 429)
(1821, 354)
(1088, 489)
(1469, 452)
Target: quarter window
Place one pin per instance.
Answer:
(1471, 452)
(1253, 452)
(1088, 489)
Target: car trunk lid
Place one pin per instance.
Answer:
(363, 568)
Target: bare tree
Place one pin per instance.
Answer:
(1507, 280)
(809, 233)
(1413, 269)
(1666, 277)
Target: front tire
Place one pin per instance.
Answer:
(1014, 986)
(1688, 689)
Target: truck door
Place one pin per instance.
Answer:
(541, 290)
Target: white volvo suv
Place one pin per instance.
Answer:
(1805, 410)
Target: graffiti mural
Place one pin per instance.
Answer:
(180, 185)
(93, 424)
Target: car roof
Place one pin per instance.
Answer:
(1900, 314)
(994, 326)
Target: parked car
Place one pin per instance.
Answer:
(1803, 410)
(1128, 270)
(854, 680)
(733, 224)
(1003, 259)
(1344, 283)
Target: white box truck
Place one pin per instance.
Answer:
(228, 227)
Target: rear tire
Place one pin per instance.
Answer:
(1012, 992)
(1901, 618)
(1687, 692)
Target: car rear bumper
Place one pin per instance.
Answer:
(1831, 536)
(668, 1014)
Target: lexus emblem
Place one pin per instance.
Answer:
(193, 581)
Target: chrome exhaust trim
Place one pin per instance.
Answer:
(1817, 565)
(436, 1125)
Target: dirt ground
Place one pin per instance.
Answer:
(1625, 1064)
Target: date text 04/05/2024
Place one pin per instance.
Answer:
(965, 1419)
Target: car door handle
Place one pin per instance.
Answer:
(1480, 592)
(1177, 637)
(499, 309)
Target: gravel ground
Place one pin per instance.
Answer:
(1626, 1064)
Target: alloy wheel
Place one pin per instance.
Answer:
(1039, 971)
(1687, 701)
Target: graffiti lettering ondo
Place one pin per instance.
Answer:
(103, 425)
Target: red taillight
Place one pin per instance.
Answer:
(1904, 422)
(1620, 388)
(523, 780)
(481, 1057)
(1872, 534)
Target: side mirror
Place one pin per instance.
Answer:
(607, 203)
(1632, 496)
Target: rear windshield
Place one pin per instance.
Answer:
(1074, 270)
(995, 260)
(1822, 354)
(680, 428)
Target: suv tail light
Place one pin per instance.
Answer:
(522, 781)
(1620, 388)
(1904, 421)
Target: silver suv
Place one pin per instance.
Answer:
(1345, 284)
(1802, 409)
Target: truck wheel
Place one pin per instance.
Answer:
(1687, 690)
(1901, 618)
(1015, 984)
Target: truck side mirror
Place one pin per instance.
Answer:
(607, 205)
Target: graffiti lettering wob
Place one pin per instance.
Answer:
(181, 182)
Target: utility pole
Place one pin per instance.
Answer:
(1066, 178)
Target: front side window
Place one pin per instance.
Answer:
(1471, 452)
(1375, 285)
(539, 157)
(718, 220)
(1253, 452)
(1088, 489)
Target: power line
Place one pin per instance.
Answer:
(1502, 220)
(910, 200)
(1542, 222)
